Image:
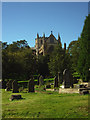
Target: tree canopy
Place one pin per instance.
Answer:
(59, 60)
(18, 61)
(73, 50)
(84, 55)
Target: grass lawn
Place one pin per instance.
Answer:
(45, 105)
(49, 79)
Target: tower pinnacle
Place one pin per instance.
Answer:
(37, 35)
(59, 40)
(58, 36)
(51, 32)
(44, 35)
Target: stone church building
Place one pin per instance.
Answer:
(44, 45)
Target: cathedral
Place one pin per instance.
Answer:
(45, 45)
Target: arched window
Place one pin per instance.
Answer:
(51, 40)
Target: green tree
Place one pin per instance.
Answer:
(16, 46)
(73, 50)
(4, 45)
(43, 65)
(29, 63)
(59, 60)
(18, 61)
(84, 56)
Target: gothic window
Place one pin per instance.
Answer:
(51, 40)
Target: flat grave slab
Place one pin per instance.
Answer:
(15, 97)
(49, 89)
(68, 90)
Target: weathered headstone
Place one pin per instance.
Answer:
(47, 86)
(81, 86)
(41, 81)
(83, 91)
(8, 86)
(15, 97)
(0, 84)
(55, 81)
(15, 86)
(67, 79)
(60, 78)
(38, 79)
(71, 80)
(89, 84)
(31, 86)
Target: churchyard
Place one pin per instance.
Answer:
(52, 84)
(45, 75)
(45, 98)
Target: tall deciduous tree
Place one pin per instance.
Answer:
(73, 50)
(18, 61)
(84, 56)
(43, 65)
(59, 60)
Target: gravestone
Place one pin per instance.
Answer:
(0, 84)
(8, 86)
(89, 84)
(47, 86)
(81, 86)
(83, 91)
(67, 79)
(41, 81)
(38, 79)
(15, 97)
(55, 81)
(31, 86)
(15, 86)
(60, 78)
(71, 80)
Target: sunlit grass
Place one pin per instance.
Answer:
(45, 105)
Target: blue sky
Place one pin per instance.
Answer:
(22, 20)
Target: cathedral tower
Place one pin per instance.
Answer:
(37, 45)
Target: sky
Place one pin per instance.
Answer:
(23, 20)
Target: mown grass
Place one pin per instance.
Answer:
(45, 105)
